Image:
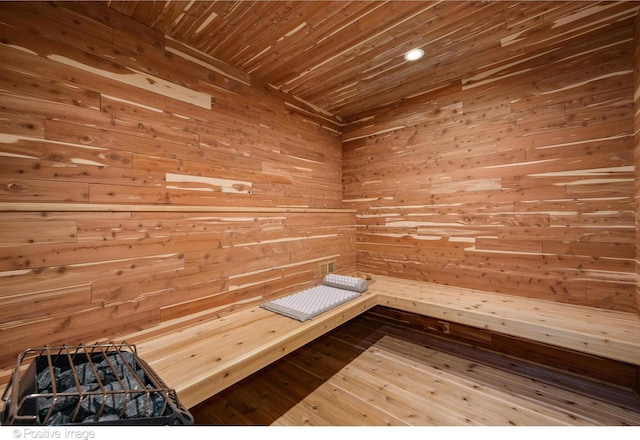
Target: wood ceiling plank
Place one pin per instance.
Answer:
(193, 22)
(342, 56)
(349, 48)
(146, 11)
(293, 41)
(392, 77)
(269, 38)
(167, 17)
(233, 36)
(536, 65)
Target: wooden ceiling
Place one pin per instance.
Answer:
(346, 57)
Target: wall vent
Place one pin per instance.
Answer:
(326, 268)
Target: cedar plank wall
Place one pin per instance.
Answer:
(518, 180)
(97, 109)
(637, 156)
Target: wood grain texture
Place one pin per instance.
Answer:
(219, 348)
(597, 331)
(124, 126)
(219, 351)
(518, 177)
(142, 181)
(580, 364)
(637, 155)
(347, 57)
(373, 372)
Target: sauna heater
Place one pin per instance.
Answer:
(105, 384)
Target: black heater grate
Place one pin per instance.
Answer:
(89, 384)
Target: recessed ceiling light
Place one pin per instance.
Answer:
(414, 54)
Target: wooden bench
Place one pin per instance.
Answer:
(202, 359)
(199, 356)
(199, 359)
(606, 333)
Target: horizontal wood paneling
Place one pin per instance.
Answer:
(124, 153)
(637, 154)
(517, 178)
(142, 180)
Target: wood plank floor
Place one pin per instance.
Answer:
(370, 372)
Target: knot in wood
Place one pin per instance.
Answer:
(16, 187)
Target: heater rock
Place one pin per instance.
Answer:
(105, 384)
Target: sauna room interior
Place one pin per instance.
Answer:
(168, 167)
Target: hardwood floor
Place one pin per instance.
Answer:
(371, 372)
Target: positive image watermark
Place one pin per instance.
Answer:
(51, 433)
